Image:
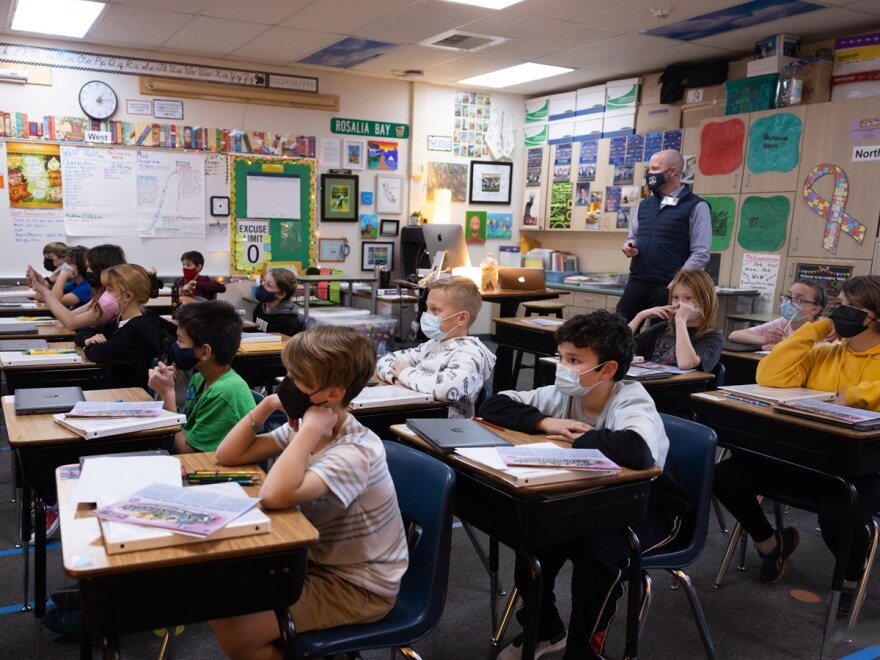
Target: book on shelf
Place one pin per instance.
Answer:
(259, 337)
(775, 395)
(548, 455)
(198, 511)
(90, 428)
(834, 413)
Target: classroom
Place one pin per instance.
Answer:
(315, 165)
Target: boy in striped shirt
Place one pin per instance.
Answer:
(334, 469)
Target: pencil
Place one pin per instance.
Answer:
(489, 424)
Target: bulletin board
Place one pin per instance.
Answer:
(272, 213)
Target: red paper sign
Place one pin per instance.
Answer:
(721, 146)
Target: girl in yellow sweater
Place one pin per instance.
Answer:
(851, 368)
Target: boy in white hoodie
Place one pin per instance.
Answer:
(450, 365)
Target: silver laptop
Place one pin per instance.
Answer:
(46, 400)
(18, 329)
(521, 279)
(22, 344)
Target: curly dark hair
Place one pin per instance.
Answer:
(604, 332)
(213, 322)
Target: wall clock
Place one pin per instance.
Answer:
(97, 99)
(219, 206)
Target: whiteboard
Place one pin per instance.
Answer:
(24, 232)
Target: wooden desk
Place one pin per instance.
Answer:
(182, 584)
(510, 299)
(171, 322)
(520, 334)
(829, 452)
(48, 332)
(750, 319)
(529, 519)
(36, 309)
(740, 367)
(86, 374)
(259, 364)
(40, 447)
(159, 306)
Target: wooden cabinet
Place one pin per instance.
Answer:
(774, 143)
(584, 302)
(721, 148)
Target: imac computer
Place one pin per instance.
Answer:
(446, 246)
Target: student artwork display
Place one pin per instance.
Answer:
(723, 210)
(763, 223)
(491, 182)
(369, 225)
(33, 174)
(774, 143)
(560, 205)
(382, 155)
(475, 227)
(389, 193)
(353, 154)
(833, 210)
(339, 198)
(376, 253)
(472, 111)
(499, 225)
(452, 176)
(721, 146)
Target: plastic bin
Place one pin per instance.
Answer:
(750, 94)
(380, 329)
(557, 276)
(320, 315)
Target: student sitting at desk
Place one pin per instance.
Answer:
(132, 340)
(70, 286)
(276, 311)
(53, 259)
(593, 406)
(102, 307)
(334, 469)
(193, 284)
(851, 368)
(450, 365)
(800, 305)
(684, 338)
(208, 337)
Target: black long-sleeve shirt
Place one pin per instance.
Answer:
(129, 349)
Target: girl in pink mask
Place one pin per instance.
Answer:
(101, 308)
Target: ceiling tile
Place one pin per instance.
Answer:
(268, 12)
(213, 36)
(867, 6)
(510, 25)
(563, 10)
(420, 21)
(123, 24)
(409, 57)
(281, 45)
(344, 16)
(636, 15)
(467, 67)
(558, 38)
(182, 6)
(608, 50)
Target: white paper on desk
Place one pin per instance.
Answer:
(490, 457)
(553, 322)
(111, 478)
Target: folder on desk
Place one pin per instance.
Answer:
(388, 395)
(89, 427)
(447, 435)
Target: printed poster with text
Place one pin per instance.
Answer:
(34, 175)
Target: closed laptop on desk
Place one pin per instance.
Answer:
(22, 344)
(521, 279)
(45, 400)
(18, 329)
(447, 435)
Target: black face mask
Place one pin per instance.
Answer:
(294, 400)
(49, 264)
(93, 280)
(849, 321)
(654, 180)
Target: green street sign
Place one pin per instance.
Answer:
(381, 129)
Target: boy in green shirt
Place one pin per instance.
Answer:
(208, 336)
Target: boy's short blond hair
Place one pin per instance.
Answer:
(463, 294)
(56, 248)
(331, 356)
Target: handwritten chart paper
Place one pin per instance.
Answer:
(759, 272)
(99, 191)
(37, 225)
(170, 195)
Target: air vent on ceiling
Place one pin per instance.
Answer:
(462, 41)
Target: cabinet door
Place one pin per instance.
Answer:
(773, 150)
(831, 160)
(535, 167)
(589, 301)
(721, 152)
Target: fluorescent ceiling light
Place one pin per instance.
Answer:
(488, 4)
(515, 75)
(66, 18)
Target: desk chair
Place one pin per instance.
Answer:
(428, 523)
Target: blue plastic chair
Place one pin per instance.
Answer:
(425, 492)
(692, 450)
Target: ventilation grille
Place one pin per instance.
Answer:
(462, 41)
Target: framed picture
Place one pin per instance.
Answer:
(339, 198)
(333, 249)
(389, 227)
(389, 193)
(376, 253)
(353, 154)
(490, 182)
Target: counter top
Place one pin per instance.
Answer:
(617, 290)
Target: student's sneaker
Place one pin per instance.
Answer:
(60, 621)
(844, 605)
(513, 651)
(775, 564)
(52, 523)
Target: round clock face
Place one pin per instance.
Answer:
(97, 99)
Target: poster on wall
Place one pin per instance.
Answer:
(723, 214)
(560, 205)
(499, 225)
(382, 155)
(100, 191)
(253, 236)
(721, 146)
(763, 223)
(759, 272)
(33, 174)
(170, 195)
(472, 112)
(532, 208)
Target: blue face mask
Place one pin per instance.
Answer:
(431, 326)
(790, 311)
(184, 358)
(264, 295)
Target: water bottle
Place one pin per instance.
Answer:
(489, 273)
(796, 86)
(783, 88)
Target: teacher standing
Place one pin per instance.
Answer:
(672, 230)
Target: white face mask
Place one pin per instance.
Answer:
(431, 326)
(568, 381)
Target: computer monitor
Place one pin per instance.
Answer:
(446, 245)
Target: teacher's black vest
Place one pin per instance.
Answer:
(663, 238)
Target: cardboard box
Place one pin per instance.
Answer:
(590, 100)
(562, 106)
(738, 69)
(857, 54)
(559, 132)
(616, 124)
(788, 45)
(817, 81)
(657, 117)
(651, 88)
(773, 64)
(703, 95)
(693, 115)
(535, 135)
(537, 110)
(588, 127)
(622, 95)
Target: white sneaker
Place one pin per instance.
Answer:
(513, 651)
